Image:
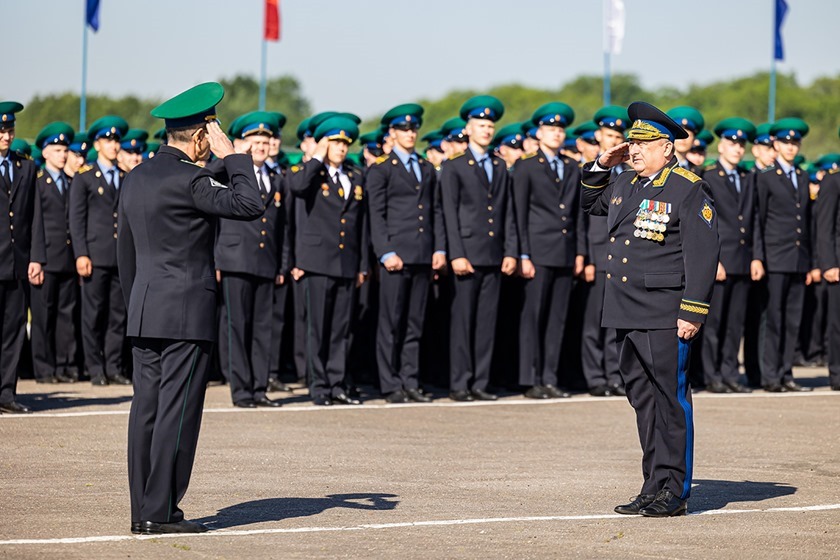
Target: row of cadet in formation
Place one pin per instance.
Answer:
(464, 264)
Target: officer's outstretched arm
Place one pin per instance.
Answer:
(700, 249)
(126, 254)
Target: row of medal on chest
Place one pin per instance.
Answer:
(652, 220)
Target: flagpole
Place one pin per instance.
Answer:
(83, 98)
(771, 105)
(262, 74)
(607, 76)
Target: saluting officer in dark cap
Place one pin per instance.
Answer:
(482, 243)
(54, 302)
(663, 251)
(21, 254)
(741, 254)
(828, 239)
(552, 243)
(168, 214)
(406, 225)
(93, 231)
(248, 257)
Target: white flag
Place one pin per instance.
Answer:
(613, 26)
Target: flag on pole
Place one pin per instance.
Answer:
(92, 14)
(781, 12)
(613, 26)
(272, 20)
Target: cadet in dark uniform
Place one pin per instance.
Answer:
(76, 154)
(552, 244)
(331, 254)
(783, 205)
(248, 257)
(168, 214)
(482, 242)
(696, 155)
(371, 146)
(406, 227)
(586, 142)
(828, 235)
(660, 270)
(132, 148)
(454, 137)
(54, 302)
(741, 255)
(93, 230)
(434, 150)
(692, 122)
(21, 254)
(508, 143)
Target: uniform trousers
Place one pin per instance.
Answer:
(599, 353)
(542, 325)
(53, 331)
(170, 378)
(328, 304)
(654, 367)
(103, 322)
(12, 333)
(402, 310)
(278, 324)
(245, 333)
(754, 331)
(299, 324)
(833, 333)
(473, 328)
(723, 329)
(786, 296)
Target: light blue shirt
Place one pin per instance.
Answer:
(107, 169)
(560, 167)
(787, 171)
(734, 174)
(485, 162)
(58, 179)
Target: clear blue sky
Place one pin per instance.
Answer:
(368, 55)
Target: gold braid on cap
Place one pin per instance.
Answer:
(645, 131)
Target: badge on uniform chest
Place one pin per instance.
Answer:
(652, 220)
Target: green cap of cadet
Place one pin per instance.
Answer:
(688, 117)
(109, 126)
(432, 136)
(255, 122)
(134, 140)
(151, 149)
(736, 129)
(509, 135)
(453, 129)
(799, 160)
(586, 130)
(37, 156)
(92, 155)
(281, 119)
(407, 115)
(791, 128)
(7, 113)
(355, 159)
(55, 133)
(160, 134)
(482, 107)
(372, 137)
(828, 161)
(553, 114)
(702, 141)
(21, 147)
(339, 127)
(303, 129)
(612, 116)
(195, 106)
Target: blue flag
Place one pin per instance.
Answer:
(781, 12)
(92, 14)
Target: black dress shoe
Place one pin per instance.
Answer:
(417, 395)
(47, 380)
(480, 395)
(636, 504)
(152, 528)
(461, 396)
(397, 397)
(718, 387)
(617, 389)
(322, 400)
(342, 398)
(774, 388)
(277, 385)
(600, 391)
(268, 403)
(556, 393)
(795, 387)
(101, 381)
(536, 392)
(247, 403)
(14, 408)
(738, 388)
(136, 528)
(666, 504)
(65, 378)
(119, 379)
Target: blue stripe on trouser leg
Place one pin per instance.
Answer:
(682, 388)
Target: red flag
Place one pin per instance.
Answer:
(272, 20)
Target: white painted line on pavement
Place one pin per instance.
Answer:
(375, 526)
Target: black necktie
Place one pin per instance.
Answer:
(5, 176)
(733, 178)
(640, 184)
(260, 182)
(792, 177)
(111, 178)
(483, 162)
(554, 167)
(335, 178)
(59, 183)
(412, 166)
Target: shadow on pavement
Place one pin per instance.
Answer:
(715, 494)
(47, 402)
(278, 509)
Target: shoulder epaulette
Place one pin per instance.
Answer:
(686, 174)
(40, 173)
(382, 159)
(528, 156)
(85, 168)
(295, 168)
(833, 171)
(710, 167)
(768, 168)
(191, 162)
(456, 156)
(581, 164)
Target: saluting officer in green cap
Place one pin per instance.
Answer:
(482, 243)
(168, 212)
(828, 238)
(53, 304)
(21, 254)
(93, 231)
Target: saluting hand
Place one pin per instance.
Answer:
(615, 155)
(321, 148)
(220, 144)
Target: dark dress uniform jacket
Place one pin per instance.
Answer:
(93, 216)
(828, 221)
(405, 214)
(738, 224)
(257, 247)
(331, 235)
(550, 220)
(785, 220)
(652, 284)
(479, 215)
(18, 244)
(167, 232)
(51, 226)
